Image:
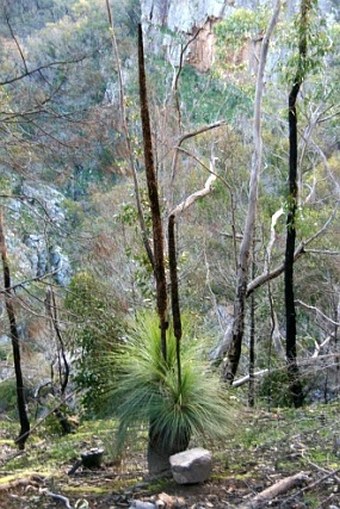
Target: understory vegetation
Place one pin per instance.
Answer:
(269, 446)
(169, 246)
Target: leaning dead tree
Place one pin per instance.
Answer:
(234, 353)
(23, 417)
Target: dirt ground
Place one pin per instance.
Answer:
(271, 447)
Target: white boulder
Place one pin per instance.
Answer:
(191, 466)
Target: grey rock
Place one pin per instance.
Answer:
(226, 318)
(4, 339)
(191, 466)
(51, 199)
(139, 504)
(181, 14)
(60, 263)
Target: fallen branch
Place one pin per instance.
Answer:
(314, 484)
(57, 407)
(317, 311)
(245, 379)
(282, 486)
(34, 480)
(58, 498)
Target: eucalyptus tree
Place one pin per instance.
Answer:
(234, 351)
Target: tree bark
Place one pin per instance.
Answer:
(295, 386)
(23, 417)
(252, 340)
(159, 451)
(234, 353)
(157, 229)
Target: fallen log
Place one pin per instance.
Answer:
(280, 487)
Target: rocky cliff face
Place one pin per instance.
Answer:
(34, 254)
(170, 24)
(182, 15)
(187, 19)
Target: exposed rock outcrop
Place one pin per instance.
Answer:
(170, 24)
(33, 253)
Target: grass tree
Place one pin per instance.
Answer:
(147, 390)
(160, 380)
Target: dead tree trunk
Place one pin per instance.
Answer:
(23, 418)
(295, 386)
(252, 340)
(234, 353)
(157, 229)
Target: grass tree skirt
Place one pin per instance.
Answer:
(160, 448)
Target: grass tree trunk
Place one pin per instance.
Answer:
(234, 353)
(23, 417)
(293, 371)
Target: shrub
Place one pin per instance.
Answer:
(95, 332)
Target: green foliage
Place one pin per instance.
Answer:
(234, 33)
(317, 36)
(3, 353)
(241, 25)
(74, 212)
(206, 98)
(95, 332)
(147, 387)
(8, 396)
(274, 389)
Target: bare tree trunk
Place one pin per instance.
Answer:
(293, 371)
(63, 370)
(157, 229)
(63, 365)
(23, 418)
(234, 353)
(251, 386)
